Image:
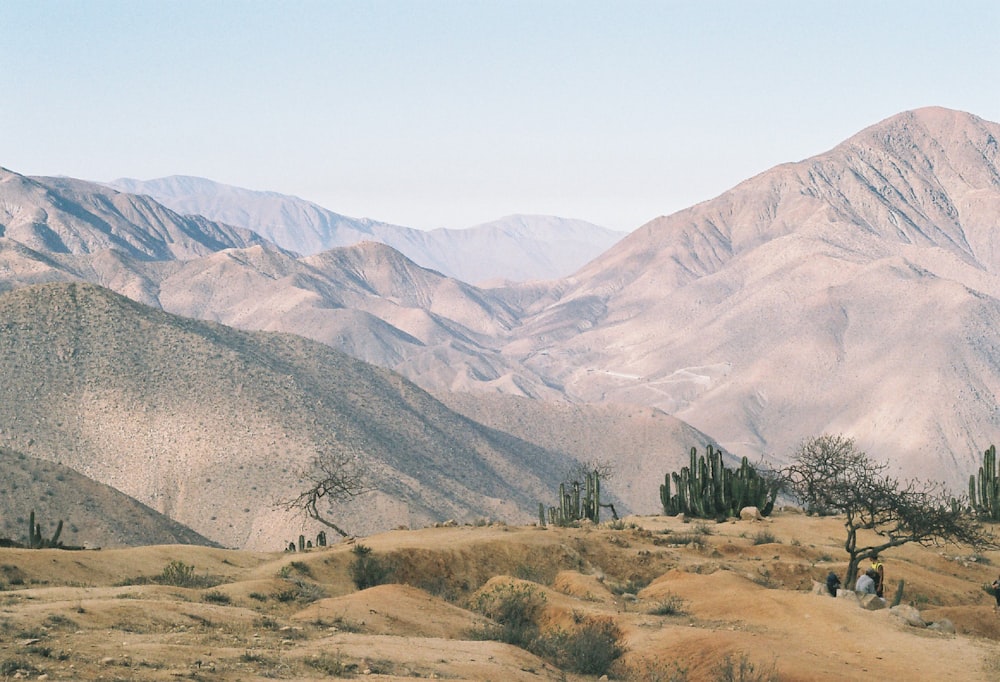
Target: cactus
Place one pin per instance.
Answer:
(899, 594)
(35, 539)
(302, 543)
(321, 539)
(984, 491)
(573, 506)
(706, 488)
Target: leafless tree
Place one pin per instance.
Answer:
(332, 477)
(831, 476)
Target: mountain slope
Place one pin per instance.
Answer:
(94, 515)
(852, 292)
(211, 426)
(518, 247)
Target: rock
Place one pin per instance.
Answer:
(680, 517)
(944, 625)
(820, 588)
(871, 602)
(849, 595)
(750, 514)
(908, 615)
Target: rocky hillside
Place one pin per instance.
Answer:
(212, 426)
(857, 291)
(93, 515)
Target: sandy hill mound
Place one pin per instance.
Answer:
(686, 597)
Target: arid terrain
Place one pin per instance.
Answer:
(685, 595)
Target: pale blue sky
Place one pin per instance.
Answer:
(448, 114)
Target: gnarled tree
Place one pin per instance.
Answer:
(333, 477)
(831, 476)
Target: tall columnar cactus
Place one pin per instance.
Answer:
(707, 488)
(574, 507)
(984, 492)
(35, 539)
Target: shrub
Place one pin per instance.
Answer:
(671, 605)
(589, 649)
(331, 664)
(216, 597)
(177, 573)
(302, 567)
(764, 537)
(743, 670)
(368, 570)
(515, 609)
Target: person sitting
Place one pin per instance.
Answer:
(866, 582)
(832, 583)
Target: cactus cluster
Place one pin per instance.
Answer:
(708, 489)
(307, 544)
(984, 490)
(35, 539)
(576, 504)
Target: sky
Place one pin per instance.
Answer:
(433, 113)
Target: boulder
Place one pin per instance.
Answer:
(750, 514)
(871, 602)
(820, 588)
(908, 615)
(849, 595)
(944, 626)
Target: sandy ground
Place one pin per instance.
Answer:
(683, 607)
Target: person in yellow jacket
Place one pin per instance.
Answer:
(880, 575)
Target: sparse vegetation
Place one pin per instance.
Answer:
(670, 605)
(575, 624)
(514, 608)
(216, 597)
(179, 574)
(368, 570)
(764, 537)
(588, 648)
(743, 669)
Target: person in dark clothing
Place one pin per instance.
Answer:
(833, 584)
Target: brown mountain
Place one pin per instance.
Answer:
(212, 426)
(855, 292)
(93, 515)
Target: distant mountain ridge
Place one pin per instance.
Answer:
(67, 216)
(517, 248)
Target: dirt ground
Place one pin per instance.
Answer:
(686, 596)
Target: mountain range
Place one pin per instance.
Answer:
(854, 292)
(516, 248)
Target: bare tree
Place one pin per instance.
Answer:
(332, 477)
(606, 469)
(831, 476)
